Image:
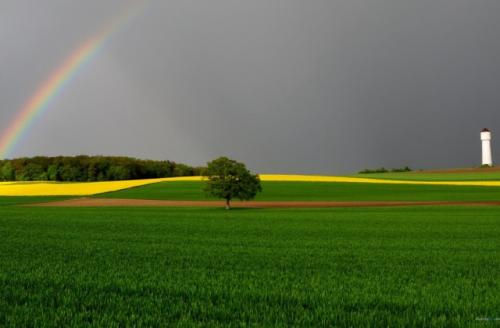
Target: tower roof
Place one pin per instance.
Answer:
(485, 130)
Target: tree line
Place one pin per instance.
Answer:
(384, 170)
(90, 168)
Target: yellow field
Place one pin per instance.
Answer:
(92, 188)
(77, 188)
(320, 178)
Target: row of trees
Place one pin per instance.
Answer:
(90, 168)
(384, 170)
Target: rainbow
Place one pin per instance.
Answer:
(38, 103)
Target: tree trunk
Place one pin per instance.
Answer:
(228, 204)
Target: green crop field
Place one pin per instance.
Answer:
(412, 267)
(19, 200)
(425, 176)
(320, 191)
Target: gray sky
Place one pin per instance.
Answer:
(317, 86)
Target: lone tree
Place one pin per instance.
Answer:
(228, 179)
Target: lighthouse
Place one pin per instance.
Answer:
(486, 141)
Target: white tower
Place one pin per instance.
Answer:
(486, 140)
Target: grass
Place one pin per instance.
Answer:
(20, 200)
(422, 176)
(409, 267)
(319, 191)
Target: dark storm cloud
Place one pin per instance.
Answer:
(316, 86)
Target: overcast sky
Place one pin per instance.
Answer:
(317, 86)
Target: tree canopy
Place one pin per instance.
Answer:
(90, 168)
(229, 179)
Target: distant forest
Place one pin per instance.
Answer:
(90, 168)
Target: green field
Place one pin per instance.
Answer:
(209, 267)
(352, 267)
(19, 200)
(424, 176)
(319, 191)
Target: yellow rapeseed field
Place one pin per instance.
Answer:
(320, 178)
(92, 188)
(77, 188)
